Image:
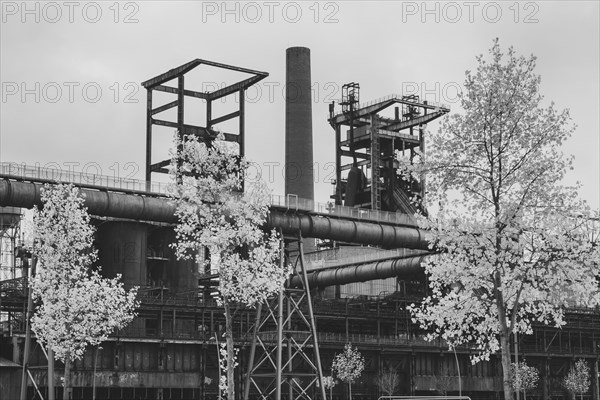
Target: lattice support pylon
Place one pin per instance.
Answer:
(284, 360)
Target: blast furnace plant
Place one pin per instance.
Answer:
(357, 265)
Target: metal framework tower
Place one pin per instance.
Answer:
(284, 359)
(368, 172)
(202, 132)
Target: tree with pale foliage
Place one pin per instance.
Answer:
(348, 365)
(329, 382)
(513, 243)
(524, 377)
(76, 307)
(215, 213)
(388, 381)
(578, 378)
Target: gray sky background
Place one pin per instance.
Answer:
(71, 73)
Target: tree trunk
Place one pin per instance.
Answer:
(230, 353)
(505, 346)
(350, 390)
(516, 344)
(67, 382)
(504, 338)
(51, 392)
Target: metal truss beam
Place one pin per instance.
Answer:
(186, 92)
(199, 131)
(423, 119)
(236, 87)
(224, 118)
(347, 153)
(164, 107)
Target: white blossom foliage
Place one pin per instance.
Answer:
(214, 214)
(514, 245)
(578, 378)
(76, 307)
(524, 377)
(224, 365)
(329, 382)
(349, 364)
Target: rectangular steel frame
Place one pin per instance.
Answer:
(202, 132)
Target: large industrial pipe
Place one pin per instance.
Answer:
(98, 202)
(345, 230)
(404, 267)
(159, 209)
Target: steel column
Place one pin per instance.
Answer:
(148, 137)
(27, 348)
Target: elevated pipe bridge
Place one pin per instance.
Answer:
(290, 215)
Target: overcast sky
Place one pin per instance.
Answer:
(71, 71)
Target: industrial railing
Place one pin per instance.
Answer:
(294, 203)
(23, 171)
(290, 202)
(165, 333)
(271, 337)
(323, 338)
(358, 338)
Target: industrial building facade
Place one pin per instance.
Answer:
(360, 254)
(170, 352)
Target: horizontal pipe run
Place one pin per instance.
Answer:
(98, 202)
(349, 231)
(159, 209)
(403, 267)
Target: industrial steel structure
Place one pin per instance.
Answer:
(368, 158)
(204, 133)
(353, 288)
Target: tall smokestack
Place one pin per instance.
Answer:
(298, 124)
